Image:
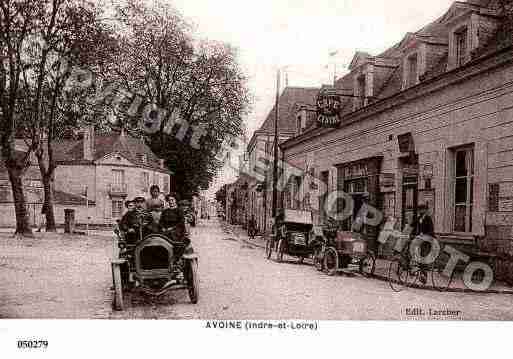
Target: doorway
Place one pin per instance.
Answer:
(410, 190)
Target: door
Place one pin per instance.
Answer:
(324, 179)
(409, 200)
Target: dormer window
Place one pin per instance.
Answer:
(460, 42)
(412, 71)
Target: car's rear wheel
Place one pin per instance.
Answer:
(268, 248)
(118, 287)
(193, 280)
(279, 251)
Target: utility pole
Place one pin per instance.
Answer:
(334, 74)
(275, 162)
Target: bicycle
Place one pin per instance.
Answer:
(405, 271)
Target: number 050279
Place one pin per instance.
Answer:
(32, 344)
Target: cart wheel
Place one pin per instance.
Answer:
(331, 261)
(193, 280)
(268, 249)
(279, 251)
(368, 265)
(118, 287)
(439, 280)
(318, 260)
(397, 275)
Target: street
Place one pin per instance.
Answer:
(70, 278)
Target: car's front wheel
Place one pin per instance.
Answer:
(193, 280)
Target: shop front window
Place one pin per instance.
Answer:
(463, 188)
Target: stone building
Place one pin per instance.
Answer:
(105, 169)
(291, 100)
(429, 120)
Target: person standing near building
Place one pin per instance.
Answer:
(425, 224)
(359, 224)
(252, 227)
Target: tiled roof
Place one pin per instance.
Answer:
(287, 101)
(133, 149)
(390, 83)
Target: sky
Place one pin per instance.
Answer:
(299, 35)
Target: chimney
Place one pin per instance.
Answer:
(88, 141)
(161, 163)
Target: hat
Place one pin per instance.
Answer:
(139, 199)
(422, 206)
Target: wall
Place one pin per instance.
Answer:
(478, 110)
(133, 181)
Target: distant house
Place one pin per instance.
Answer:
(105, 169)
(295, 117)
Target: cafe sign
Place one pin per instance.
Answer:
(328, 109)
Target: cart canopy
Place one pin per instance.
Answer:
(297, 216)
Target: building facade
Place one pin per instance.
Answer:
(293, 119)
(95, 175)
(427, 121)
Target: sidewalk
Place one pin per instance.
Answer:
(456, 284)
(382, 269)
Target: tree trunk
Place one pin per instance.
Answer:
(48, 203)
(20, 206)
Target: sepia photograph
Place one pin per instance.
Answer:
(256, 165)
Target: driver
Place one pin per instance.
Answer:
(144, 218)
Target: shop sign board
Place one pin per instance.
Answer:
(328, 109)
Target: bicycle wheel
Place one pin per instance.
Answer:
(318, 259)
(439, 280)
(268, 249)
(397, 275)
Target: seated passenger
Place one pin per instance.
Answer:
(154, 204)
(172, 222)
(129, 223)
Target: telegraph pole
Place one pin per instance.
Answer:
(275, 162)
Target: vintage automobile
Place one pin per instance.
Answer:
(291, 235)
(343, 251)
(154, 265)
